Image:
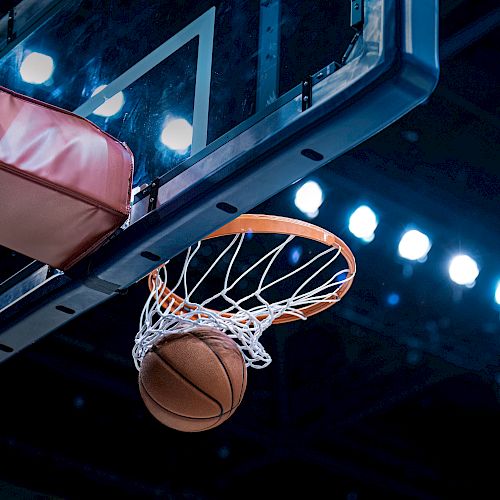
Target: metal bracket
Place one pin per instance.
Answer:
(306, 93)
(100, 285)
(357, 14)
(11, 36)
(350, 48)
(21, 282)
(153, 194)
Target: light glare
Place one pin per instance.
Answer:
(36, 68)
(112, 105)
(393, 299)
(294, 256)
(414, 245)
(308, 198)
(363, 223)
(497, 294)
(177, 134)
(463, 270)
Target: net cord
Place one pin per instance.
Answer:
(162, 316)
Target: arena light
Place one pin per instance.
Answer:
(36, 68)
(295, 255)
(363, 223)
(497, 293)
(414, 245)
(177, 134)
(308, 198)
(112, 105)
(393, 299)
(463, 270)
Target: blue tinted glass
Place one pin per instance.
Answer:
(261, 50)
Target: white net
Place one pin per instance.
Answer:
(245, 318)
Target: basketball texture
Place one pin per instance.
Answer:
(193, 381)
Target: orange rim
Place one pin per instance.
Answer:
(273, 224)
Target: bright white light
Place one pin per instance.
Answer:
(136, 190)
(414, 245)
(308, 198)
(363, 223)
(112, 105)
(36, 68)
(463, 270)
(177, 134)
(497, 294)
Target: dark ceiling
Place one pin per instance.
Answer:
(366, 401)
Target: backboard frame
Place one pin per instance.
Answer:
(396, 70)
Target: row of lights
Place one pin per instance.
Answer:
(413, 245)
(177, 134)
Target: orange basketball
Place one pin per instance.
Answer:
(193, 381)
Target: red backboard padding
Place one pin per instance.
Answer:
(65, 185)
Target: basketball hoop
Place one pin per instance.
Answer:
(167, 312)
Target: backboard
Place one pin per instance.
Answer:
(224, 103)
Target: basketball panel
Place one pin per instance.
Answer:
(175, 421)
(173, 391)
(236, 369)
(191, 355)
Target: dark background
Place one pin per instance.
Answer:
(365, 401)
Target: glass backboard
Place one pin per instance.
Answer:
(188, 72)
(223, 104)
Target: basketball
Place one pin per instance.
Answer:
(193, 381)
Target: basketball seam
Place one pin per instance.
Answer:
(169, 413)
(178, 414)
(225, 371)
(190, 383)
(243, 379)
(228, 379)
(233, 408)
(218, 420)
